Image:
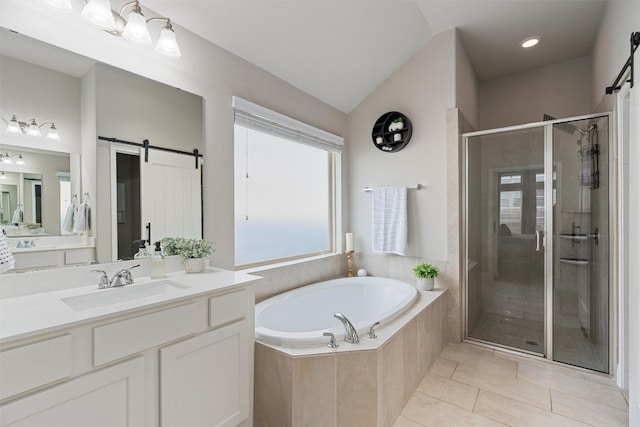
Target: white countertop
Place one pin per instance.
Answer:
(34, 314)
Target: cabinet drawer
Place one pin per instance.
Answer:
(229, 307)
(79, 256)
(30, 366)
(41, 259)
(126, 337)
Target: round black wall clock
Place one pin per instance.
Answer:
(391, 132)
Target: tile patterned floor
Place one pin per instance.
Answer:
(471, 385)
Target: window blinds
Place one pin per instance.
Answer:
(254, 116)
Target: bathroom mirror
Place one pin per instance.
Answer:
(41, 81)
(38, 188)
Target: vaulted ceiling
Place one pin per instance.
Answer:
(340, 50)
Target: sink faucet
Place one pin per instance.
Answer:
(350, 336)
(121, 278)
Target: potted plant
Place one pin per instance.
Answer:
(426, 273)
(193, 251)
(397, 124)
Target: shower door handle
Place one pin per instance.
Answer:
(539, 240)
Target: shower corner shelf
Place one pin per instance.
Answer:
(574, 261)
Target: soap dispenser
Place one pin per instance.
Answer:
(157, 263)
(142, 253)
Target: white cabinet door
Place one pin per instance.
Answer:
(205, 379)
(171, 195)
(111, 397)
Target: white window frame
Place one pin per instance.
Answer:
(257, 117)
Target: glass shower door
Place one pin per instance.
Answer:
(505, 251)
(581, 244)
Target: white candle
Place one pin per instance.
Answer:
(349, 242)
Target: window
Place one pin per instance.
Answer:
(285, 181)
(522, 201)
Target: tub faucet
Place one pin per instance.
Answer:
(350, 336)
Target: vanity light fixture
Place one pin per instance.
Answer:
(30, 127)
(7, 159)
(3, 176)
(135, 28)
(530, 42)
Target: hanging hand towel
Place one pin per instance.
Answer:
(82, 219)
(6, 258)
(17, 216)
(389, 208)
(67, 224)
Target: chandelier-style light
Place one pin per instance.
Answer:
(30, 127)
(135, 29)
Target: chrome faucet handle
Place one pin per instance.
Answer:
(332, 341)
(104, 279)
(122, 277)
(372, 333)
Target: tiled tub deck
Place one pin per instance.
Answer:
(365, 384)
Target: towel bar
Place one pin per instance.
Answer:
(409, 187)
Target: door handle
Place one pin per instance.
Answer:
(539, 245)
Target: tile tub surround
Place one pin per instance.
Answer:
(365, 384)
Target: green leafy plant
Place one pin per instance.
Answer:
(425, 270)
(188, 248)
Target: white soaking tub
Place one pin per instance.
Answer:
(300, 316)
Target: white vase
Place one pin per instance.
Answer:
(194, 265)
(426, 284)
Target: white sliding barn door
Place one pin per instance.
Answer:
(171, 195)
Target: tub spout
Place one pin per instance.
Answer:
(350, 335)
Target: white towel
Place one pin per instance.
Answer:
(82, 219)
(67, 224)
(389, 208)
(6, 258)
(17, 216)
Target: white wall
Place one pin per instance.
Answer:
(422, 89)
(204, 69)
(560, 90)
(133, 108)
(611, 49)
(466, 85)
(610, 52)
(30, 91)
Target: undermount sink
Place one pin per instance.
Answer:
(104, 297)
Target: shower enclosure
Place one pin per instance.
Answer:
(537, 239)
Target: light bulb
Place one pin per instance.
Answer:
(20, 161)
(167, 44)
(98, 13)
(33, 129)
(59, 5)
(53, 133)
(136, 30)
(3, 176)
(13, 126)
(6, 159)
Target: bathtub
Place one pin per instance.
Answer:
(300, 316)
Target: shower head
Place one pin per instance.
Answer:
(565, 127)
(568, 127)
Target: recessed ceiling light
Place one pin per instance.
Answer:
(530, 42)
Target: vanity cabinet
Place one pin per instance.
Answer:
(205, 380)
(186, 363)
(108, 397)
(45, 259)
